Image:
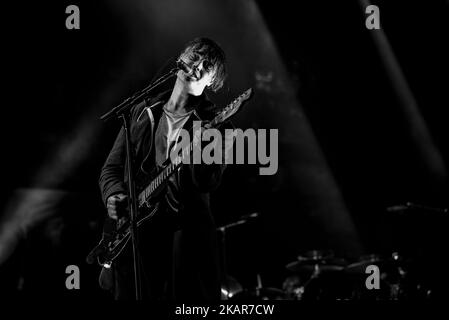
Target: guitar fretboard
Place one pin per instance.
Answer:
(164, 174)
(167, 171)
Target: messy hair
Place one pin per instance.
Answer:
(211, 52)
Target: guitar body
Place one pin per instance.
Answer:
(116, 233)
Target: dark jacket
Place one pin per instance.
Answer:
(195, 269)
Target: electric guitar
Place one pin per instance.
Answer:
(116, 233)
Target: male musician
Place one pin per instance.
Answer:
(178, 246)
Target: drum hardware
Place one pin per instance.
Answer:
(396, 263)
(319, 276)
(260, 293)
(318, 268)
(259, 285)
(230, 286)
(409, 206)
(266, 293)
(316, 263)
(394, 275)
(415, 281)
(360, 266)
(299, 292)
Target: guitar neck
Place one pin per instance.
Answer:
(164, 174)
(174, 164)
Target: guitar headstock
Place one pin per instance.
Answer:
(232, 108)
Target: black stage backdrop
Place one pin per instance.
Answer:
(361, 116)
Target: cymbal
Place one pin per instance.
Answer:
(315, 256)
(323, 265)
(374, 259)
(318, 261)
(297, 266)
(360, 266)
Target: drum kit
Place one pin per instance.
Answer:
(320, 275)
(327, 277)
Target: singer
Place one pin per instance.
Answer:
(178, 246)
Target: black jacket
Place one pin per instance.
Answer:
(195, 265)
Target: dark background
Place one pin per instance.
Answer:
(349, 146)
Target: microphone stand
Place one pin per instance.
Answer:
(223, 230)
(427, 208)
(123, 111)
(129, 102)
(412, 206)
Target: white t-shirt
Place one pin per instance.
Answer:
(167, 133)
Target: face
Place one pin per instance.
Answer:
(202, 76)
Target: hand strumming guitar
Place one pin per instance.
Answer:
(117, 205)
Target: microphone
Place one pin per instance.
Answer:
(184, 67)
(242, 220)
(398, 208)
(250, 216)
(417, 208)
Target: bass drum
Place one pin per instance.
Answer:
(259, 294)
